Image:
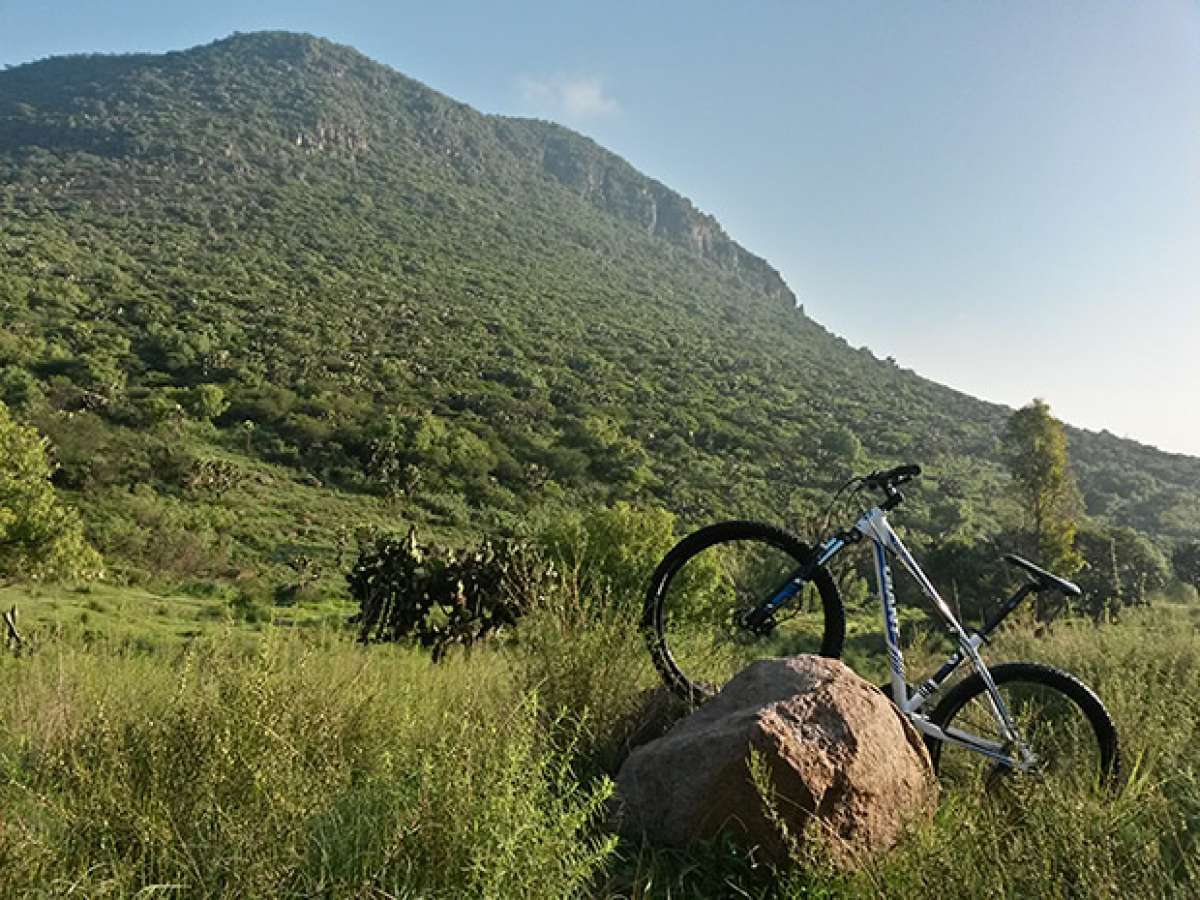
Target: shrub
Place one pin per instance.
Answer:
(441, 597)
(610, 551)
(165, 536)
(39, 536)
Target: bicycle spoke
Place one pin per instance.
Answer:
(1051, 726)
(704, 610)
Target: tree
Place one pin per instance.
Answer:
(208, 401)
(39, 536)
(616, 460)
(407, 450)
(1122, 568)
(1186, 561)
(971, 574)
(609, 551)
(840, 452)
(1035, 449)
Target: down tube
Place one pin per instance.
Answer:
(883, 576)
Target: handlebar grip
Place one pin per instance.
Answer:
(890, 478)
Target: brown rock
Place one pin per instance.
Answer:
(840, 756)
(657, 710)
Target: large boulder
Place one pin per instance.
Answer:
(840, 758)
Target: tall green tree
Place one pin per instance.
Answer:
(1035, 450)
(1121, 568)
(39, 536)
(1186, 562)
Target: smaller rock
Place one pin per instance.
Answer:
(840, 756)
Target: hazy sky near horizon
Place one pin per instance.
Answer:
(1004, 197)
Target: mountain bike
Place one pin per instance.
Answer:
(738, 591)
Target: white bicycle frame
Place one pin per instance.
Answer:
(873, 525)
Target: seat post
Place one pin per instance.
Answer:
(952, 663)
(1008, 606)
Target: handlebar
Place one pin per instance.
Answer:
(889, 479)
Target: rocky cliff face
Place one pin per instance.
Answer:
(612, 185)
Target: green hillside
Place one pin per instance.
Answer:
(261, 292)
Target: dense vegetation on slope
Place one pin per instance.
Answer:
(264, 291)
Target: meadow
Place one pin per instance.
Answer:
(258, 759)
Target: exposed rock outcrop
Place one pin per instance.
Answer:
(841, 759)
(614, 186)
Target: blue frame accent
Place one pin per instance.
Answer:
(828, 550)
(890, 616)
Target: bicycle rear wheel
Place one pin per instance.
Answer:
(702, 588)
(1062, 721)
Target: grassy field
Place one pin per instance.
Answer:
(148, 620)
(163, 746)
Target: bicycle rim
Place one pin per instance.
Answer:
(1058, 719)
(696, 607)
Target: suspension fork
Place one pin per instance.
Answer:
(756, 618)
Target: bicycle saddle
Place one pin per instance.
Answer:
(1043, 578)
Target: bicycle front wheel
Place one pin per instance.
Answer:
(1061, 720)
(699, 593)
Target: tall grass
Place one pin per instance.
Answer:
(313, 767)
(1143, 840)
(289, 771)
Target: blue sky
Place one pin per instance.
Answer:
(1003, 196)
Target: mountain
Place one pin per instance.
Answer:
(264, 290)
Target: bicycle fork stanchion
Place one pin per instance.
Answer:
(755, 619)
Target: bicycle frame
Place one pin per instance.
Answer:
(873, 525)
